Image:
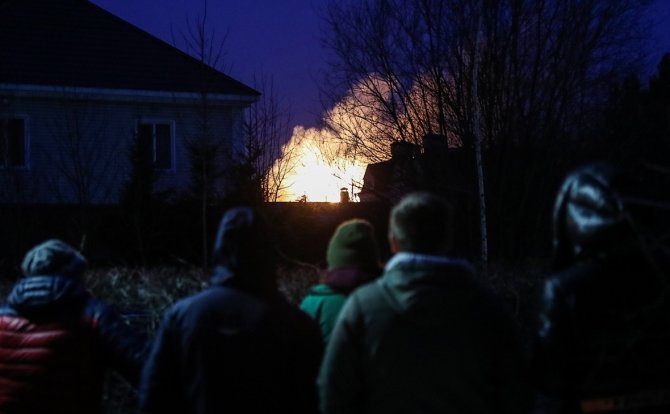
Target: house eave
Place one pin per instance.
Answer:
(124, 95)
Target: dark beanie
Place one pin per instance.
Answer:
(353, 244)
(54, 257)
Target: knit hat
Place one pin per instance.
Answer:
(54, 257)
(353, 244)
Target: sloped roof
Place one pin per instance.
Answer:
(74, 43)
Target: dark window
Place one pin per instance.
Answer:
(12, 143)
(155, 144)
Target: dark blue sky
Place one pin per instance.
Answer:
(281, 38)
(278, 38)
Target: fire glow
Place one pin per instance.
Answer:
(316, 162)
(316, 169)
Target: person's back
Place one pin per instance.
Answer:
(604, 325)
(353, 260)
(56, 341)
(238, 346)
(425, 337)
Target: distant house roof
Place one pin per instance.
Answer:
(377, 181)
(74, 43)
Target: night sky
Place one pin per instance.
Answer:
(281, 39)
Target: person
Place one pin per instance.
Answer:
(56, 341)
(237, 346)
(353, 260)
(426, 337)
(603, 329)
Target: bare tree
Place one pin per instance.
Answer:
(209, 153)
(85, 159)
(408, 68)
(267, 130)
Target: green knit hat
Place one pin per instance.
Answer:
(353, 244)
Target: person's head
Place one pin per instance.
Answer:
(421, 223)
(590, 219)
(245, 249)
(54, 258)
(353, 245)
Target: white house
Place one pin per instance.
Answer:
(78, 85)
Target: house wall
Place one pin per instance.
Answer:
(78, 148)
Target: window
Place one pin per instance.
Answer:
(156, 140)
(13, 143)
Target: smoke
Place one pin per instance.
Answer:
(318, 162)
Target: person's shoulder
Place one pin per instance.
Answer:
(318, 296)
(571, 279)
(322, 289)
(366, 298)
(190, 304)
(6, 310)
(368, 290)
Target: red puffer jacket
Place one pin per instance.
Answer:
(56, 342)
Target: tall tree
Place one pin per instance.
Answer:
(209, 153)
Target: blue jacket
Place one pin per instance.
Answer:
(238, 346)
(228, 350)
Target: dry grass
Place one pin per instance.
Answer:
(142, 294)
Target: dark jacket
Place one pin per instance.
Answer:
(603, 337)
(604, 324)
(237, 346)
(424, 338)
(56, 342)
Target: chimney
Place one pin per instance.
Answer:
(344, 195)
(402, 151)
(435, 145)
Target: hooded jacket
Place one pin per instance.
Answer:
(423, 338)
(603, 332)
(56, 342)
(238, 346)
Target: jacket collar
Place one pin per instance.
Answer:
(257, 284)
(346, 279)
(416, 259)
(35, 293)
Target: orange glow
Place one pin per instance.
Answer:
(317, 169)
(315, 164)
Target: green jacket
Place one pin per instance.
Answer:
(323, 304)
(325, 300)
(424, 338)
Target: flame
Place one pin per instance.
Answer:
(316, 164)
(316, 168)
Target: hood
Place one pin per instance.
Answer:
(35, 295)
(54, 257)
(244, 256)
(589, 216)
(428, 288)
